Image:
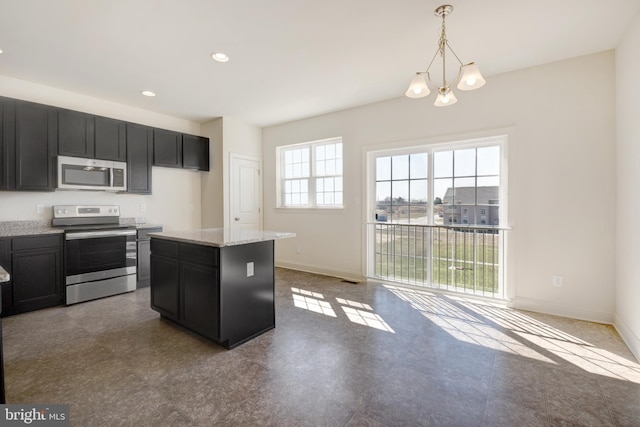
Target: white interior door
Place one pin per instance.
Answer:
(246, 192)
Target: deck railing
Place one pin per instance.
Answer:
(467, 259)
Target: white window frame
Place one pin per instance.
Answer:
(312, 178)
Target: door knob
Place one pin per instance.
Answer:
(237, 219)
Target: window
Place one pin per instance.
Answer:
(402, 188)
(310, 175)
(437, 215)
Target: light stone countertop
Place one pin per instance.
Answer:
(27, 228)
(4, 276)
(220, 237)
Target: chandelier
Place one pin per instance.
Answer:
(468, 78)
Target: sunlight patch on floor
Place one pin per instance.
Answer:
(494, 326)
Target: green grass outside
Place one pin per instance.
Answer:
(462, 261)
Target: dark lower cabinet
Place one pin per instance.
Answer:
(139, 158)
(200, 298)
(225, 294)
(5, 262)
(143, 270)
(165, 279)
(36, 274)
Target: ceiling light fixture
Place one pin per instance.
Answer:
(148, 93)
(220, 57)
(468, 78)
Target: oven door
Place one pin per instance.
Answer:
(98, 255)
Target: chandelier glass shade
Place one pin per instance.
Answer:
(468, 77)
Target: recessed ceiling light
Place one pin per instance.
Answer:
(147, 93)
(0, 50)
(220, 57)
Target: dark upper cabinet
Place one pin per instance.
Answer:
(36, 146)
(93, 137)
(7, 143)
(110, 139)
(195, 152)
(139, 158)
(76, 134)
(167, 148)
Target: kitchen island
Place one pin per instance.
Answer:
(215, 282)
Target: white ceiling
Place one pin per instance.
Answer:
(290, 59)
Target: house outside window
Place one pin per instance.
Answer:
(310, 175)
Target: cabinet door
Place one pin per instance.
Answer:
(110, 139)
(139, 156)
(75, 134)
(36, 146)
(200, 298)
(37, 278)
(167, 148)
(165, 290)
(7, 143)
(5, 262)
(195, 152)
(144, 264)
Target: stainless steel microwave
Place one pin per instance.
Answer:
(75, 173)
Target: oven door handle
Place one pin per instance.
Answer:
(98, 234)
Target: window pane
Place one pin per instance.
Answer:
(465, 162)
(443, 164)
(383, 192)
(320, 152)
(339, 167)
(320, 171)
(400, 191)
(443, 190)
(338, 184)
(330, 151)
(400, 167)
(418, 191)
(383, 168)
(418, 166)
(331, 167)
(489, 161)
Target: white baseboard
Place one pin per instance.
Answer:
(579, 313)
(309, 268)
(630, 338)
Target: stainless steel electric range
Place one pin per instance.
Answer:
(100, 253)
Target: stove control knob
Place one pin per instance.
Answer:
(65, 211)
(110, 210)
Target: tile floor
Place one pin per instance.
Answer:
(342, 354)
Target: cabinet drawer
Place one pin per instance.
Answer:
(167, 248)
(203, 255)
(36, 242)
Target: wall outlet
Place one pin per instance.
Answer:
(143, 207)
(39, 208)
(557, 280)
(250, 269)
(298, 249)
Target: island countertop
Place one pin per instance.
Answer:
(220, 237)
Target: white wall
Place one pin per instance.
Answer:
(627, 318)
(212, 182)
(560, 119)
(175, 202)
(227, 135)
